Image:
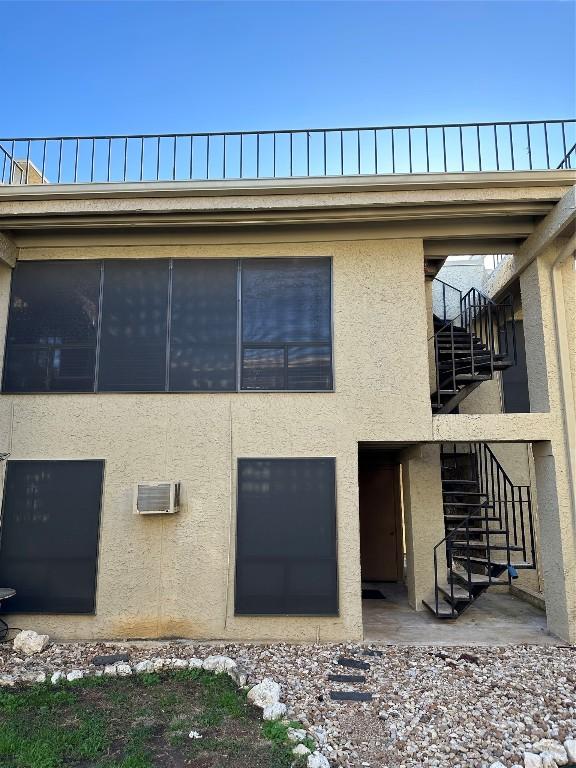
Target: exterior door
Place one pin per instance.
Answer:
(381, 547)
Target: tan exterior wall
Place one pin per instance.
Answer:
(174, 576)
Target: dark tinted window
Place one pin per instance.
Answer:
(286, 537)
(203, 328)
(134, 326)
(515, 378)
(53, 323)
(49, 535)
(286, 324)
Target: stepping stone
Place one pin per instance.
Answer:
(347, 678)
(353, 663)
(350, 696)
(368, 652)
(102, 661)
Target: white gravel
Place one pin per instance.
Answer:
(442, 707)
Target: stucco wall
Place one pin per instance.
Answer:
(174, 576)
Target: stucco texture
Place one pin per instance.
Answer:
(174, 575)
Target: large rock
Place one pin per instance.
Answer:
(7, 681)
(76, 674)
(497, 764)
(274, 711)
(317, 760)
(218, 664)
(30, 642)
(300, 750)
(296, 734)
(570, 747)
(194, 663)
(144, 666)
(264, 694)
(553, 748)
(548, 760)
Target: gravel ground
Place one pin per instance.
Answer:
(443, 707)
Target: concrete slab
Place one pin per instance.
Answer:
(497, 618)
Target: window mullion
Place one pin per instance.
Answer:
(99, 327)
(239, 339)
(169, 325)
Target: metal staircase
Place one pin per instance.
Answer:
(489, 529)
(469, 348)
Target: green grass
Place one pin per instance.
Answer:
(141, 721)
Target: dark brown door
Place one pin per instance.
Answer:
(380, 522)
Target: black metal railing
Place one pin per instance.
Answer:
(446, 299)
(569, 159)
(505, 517)
(480, 339)
(316, 152)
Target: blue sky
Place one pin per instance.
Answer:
(127, 67)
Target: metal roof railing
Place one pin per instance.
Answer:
(304, 153)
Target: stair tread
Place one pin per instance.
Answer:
(501, 563)
(493, 532)
(459, 592)
(491, 518)
(444, 610)
(484, 545)
(479, 579)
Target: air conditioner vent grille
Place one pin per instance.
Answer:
(156, 498)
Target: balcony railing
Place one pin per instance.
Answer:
(317, 152)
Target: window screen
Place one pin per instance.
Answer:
(204, 314)
(286, 324)
(134, 326)
(53, 322)
(49, 535)
(286, 537)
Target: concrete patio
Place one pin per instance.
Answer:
(497, 618)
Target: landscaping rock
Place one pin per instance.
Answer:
(57, 677)
(218, 664)
(179, 664)
(194, 735)
(7, 681)
(239, 675)
(570, 747)
(76, 674)
(532, 760)
(123, 669)
(30, 642)
(194, 663)
(296, 734)
(552, 747)
(145, 666)
(110, 670)
(497, 764)
(317, 760)
(274, 711)
(548, 760)
(264, 694)
(300, 750)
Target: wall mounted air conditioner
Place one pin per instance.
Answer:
(160, 498)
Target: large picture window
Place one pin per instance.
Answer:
(170, 325)
(49, 535)
(286, 537)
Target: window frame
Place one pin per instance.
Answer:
(308, 615)
(240, 346)
(39, 612)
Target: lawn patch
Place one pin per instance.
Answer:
(142, 721)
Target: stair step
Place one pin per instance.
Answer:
(492, 518)
(472, 377)
(483, 504)
(460, 593)
(444, 610)
(454, 480)
(497, 563)
(479, 579)
(493, 532)
(463, 493)
(484, 545)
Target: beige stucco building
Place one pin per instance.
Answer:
(377, 241)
